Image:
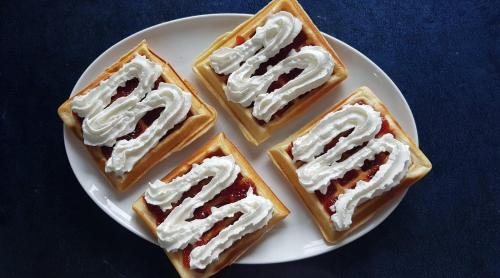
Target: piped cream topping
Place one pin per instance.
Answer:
(176, 232)
(104, 122)
(319, 170)
(279, 31)
(388, 176)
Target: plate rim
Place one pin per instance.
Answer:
(302, 256)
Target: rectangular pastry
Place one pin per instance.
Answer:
(208, 211)
(270, 69)
(349, 162)
(135, 114)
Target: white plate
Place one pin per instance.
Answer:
(179, 42)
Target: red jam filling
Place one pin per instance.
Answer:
(78, 118)
(367, 171)
(231, 194)
(297, 43)
(207, 236)
(283, 79)
(143, 123)
(385, 128)
(240, 40)
(125, 90)
(328, 199)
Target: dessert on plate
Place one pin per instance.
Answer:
(270, 69)
(209, 210)
(349, 162)
(135, 114)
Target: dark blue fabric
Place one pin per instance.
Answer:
(443, 55)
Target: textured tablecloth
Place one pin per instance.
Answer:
(443, 55)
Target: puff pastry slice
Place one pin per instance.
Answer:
(177, 134)
(154, 216)
(293, 84)
(323, 205)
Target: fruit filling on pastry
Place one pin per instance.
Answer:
(273, 67)
(349, 157)
(206, 210)
(128, 113)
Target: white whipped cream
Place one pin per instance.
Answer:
(103, 124)
(279, 31)
(96, 100)
(318, 171)
(175, 232)
(177, 104)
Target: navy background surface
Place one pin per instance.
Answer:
(443, 56)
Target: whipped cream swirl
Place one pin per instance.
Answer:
(319, 170)
(279, 31)
(176, 232)
(104, 122)
(388, 176)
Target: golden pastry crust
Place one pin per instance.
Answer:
(218, 143)
(252, 130)
(418, 169)
(202, 119)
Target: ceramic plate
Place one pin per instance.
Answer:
(179, 42)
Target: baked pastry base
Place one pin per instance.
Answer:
(418, 169)
(202, 119)
(252, 130)
(218, 143)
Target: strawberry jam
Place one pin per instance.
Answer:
(329, 198)
(297, 43)
(231, 194)
(237, 191)
(385, 128)
(283, 79)
(240, 40)
(370, 167)
(129, 87)
(289, 150)
(125, 90)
